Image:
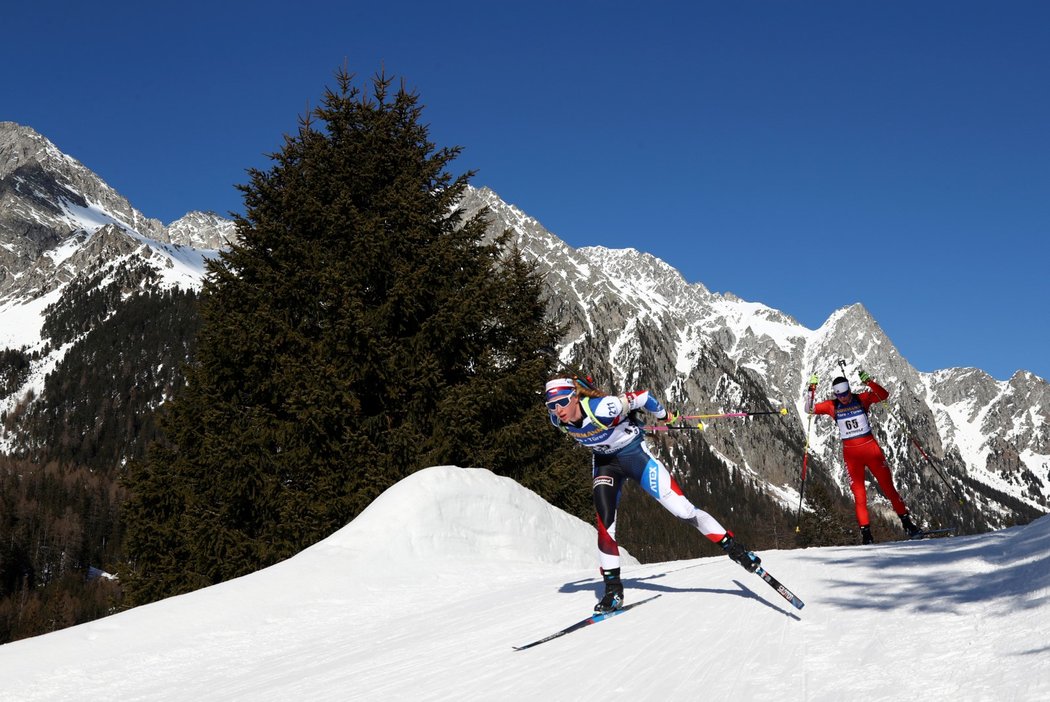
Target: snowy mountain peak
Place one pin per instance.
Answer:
(20, 146)
(202, 230)
(59, 220)
(40, 183)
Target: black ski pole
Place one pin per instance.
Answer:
(925, 455)
(929, 460)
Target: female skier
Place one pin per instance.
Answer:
(603, 423)
(859, 447)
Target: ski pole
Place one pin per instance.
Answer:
(936, 470)
(805, 457)
(671, 427)
(928, 459)
(782, 410)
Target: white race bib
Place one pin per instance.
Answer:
(853, 422)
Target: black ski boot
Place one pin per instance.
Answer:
(914, 532)
(865, 536)
(739, 553)
(613, 598)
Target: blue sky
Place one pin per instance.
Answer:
(807, 155)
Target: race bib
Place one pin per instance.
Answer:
(853, 422)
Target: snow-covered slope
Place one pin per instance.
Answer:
(423, 596)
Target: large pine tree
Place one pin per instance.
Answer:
(359, 330)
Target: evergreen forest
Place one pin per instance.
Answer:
(61, 494)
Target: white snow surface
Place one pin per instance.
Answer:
(20, 321)
(423, 596)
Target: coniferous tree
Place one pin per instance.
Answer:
(358, 331)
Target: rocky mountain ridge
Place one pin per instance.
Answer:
(635, 319)
(51, 205)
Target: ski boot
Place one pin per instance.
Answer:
(613, 599)
(739, 553)
(865, 536)
(914, 532)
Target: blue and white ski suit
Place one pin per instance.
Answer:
(620, 452)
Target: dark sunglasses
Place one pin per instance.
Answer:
(562, 401)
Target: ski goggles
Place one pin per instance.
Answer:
(557, 402)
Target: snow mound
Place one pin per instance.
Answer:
(447, 514)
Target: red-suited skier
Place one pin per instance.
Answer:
(860, 450)
(603, 424)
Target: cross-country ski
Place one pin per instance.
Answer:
(933, 534)
(593, 619)
(780, 588)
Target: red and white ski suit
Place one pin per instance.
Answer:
(860, 449)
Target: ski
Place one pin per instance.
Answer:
(593, 619)
(933, 534)
(776, 585)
